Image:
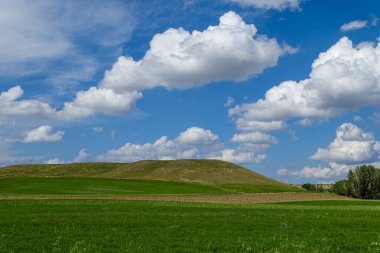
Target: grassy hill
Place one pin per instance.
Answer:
(198, 171)
(138, 178)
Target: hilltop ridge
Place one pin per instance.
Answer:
(197, 171)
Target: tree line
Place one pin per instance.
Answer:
(363, 183)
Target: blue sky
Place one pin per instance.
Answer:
(288, 88)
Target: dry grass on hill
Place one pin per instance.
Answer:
(199, 171)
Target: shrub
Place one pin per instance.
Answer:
(341, 188)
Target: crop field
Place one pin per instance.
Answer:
(149, 226)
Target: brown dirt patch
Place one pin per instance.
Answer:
(233, 198)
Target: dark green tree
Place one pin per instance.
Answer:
(364, 182)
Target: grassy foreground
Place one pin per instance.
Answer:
(137, 226)
(123, 187)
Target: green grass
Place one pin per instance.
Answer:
(119, 187)
(138, 226)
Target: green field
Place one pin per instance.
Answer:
(138, 226)
(55, 223)
(122, 187)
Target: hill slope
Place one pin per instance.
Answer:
(199, 171)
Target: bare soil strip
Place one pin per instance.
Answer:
(233, 198)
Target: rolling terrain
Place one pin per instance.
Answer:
(174, 206)
(195, 171)
(184, 177)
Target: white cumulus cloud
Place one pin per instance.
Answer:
(191, 143)
(176, 59)
(161, 149)
(344, 78)
(43, 133)
(351, 146)
(11, 105)
(181, 59)
(194, 142)
(197, 136)
(86, 103)
(99, 100)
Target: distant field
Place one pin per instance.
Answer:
(143, 226)
(122, 187)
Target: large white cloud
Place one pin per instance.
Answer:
(99, 100)
(181, 59)
(270, 4)
(351, 146)
(10, 105)
(176, 59)
(43, 133)
(86, 103)
(345, 77)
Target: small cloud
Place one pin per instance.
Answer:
(43, 133)
(197, 136)
(357, 118)
(305, 122)
(254, 137)
(293, 135)
(375, 118)
(230, 101)
(54, 161)
(113, 134)
(82, 156)
(97, 129)
(353, 25)
(374, 22)
(279, 5)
